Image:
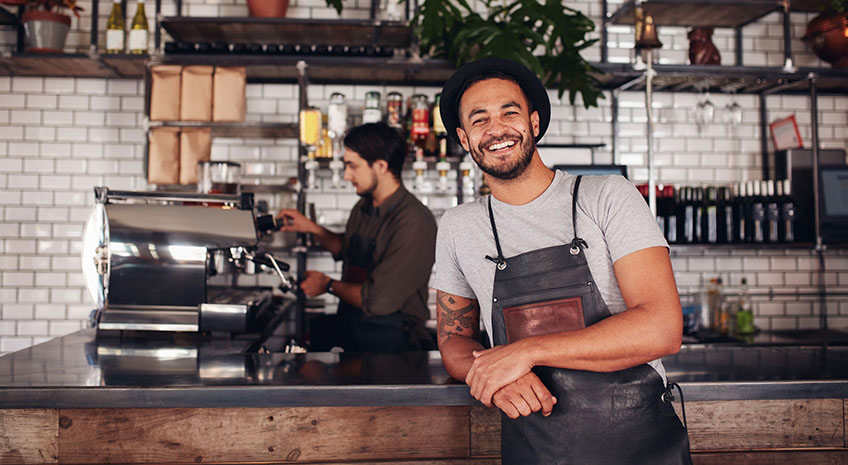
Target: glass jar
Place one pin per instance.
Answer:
(420, 117)
(337, 115)
(394, 110)
(310, 126)
(372, 113)
(218, 177)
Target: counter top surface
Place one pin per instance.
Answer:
(81, 370)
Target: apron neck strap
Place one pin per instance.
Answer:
(577, 241)
(500, 261)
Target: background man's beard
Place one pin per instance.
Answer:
(369, 191)
(511, 170)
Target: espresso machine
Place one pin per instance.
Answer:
(149, 258)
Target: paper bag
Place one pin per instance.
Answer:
(165, 92)
(163, 156)
(196, 95)
(228, 100)
(195, 146)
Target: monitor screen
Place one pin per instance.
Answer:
(834, 189)
(593, 169)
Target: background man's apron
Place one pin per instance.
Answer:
(616, 418)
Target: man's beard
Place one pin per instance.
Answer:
(369, 191)
(513, 168)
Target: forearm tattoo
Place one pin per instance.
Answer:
(457, 316)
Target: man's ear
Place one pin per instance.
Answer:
(381, 166)
(463, 139)
(534, 123)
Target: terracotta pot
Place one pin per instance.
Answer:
(268, 8)
(45, 31)
(828, 37)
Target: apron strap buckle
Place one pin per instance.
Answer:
(498, 261)
(576, 243)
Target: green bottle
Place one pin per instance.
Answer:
(744, 314)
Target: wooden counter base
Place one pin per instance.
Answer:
(773, 432)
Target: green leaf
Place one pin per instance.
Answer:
(337, 4)
(544, 35)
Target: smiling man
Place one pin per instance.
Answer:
(388, 249)
(572, 279)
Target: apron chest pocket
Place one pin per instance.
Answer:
(546, 312)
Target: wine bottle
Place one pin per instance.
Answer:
(786, 228)
(740, 212)
(115, 29)
(698, 203)
(725, 216)
(688, 216)
(671, 214)
(711, 216)
(758, 214)
(138, 30)
(772, 212)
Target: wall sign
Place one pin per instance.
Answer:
(785, 135)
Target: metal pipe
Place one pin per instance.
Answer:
(649, 78)
(157, 34)
(787, 36)
(303, 102)
(738, 40)
(92, 47)
(814, 122)
(604, 32)
(21, 34)
(764, 148)
(615, 139)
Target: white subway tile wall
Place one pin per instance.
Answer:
(61, 137)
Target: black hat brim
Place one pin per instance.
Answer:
(529, 82)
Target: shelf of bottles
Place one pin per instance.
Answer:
(752, 213)
(431, 154)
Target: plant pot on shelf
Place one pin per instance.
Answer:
(46, 31)
(828, 37)
(268, 8)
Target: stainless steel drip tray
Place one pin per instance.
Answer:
(147, 318)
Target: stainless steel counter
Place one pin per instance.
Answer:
(82, 371)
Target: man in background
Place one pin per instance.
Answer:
(387, 250)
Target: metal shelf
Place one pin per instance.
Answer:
(73, 65)
(742, 79)
(233, 30)
(325, 69)
(245, 129)
(696, 13)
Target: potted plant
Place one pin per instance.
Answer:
(827, 33)
(45, 23)
(544, 35)
(278, 8)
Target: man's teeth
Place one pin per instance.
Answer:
(505, 144)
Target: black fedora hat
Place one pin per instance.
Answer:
(529, 82)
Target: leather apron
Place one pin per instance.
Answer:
(616, 418)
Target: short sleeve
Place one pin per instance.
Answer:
(447, 275)
(625, 219)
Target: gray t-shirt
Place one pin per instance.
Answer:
(612, 217)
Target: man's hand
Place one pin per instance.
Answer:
(525, 396)
(315, 283)
(495, 368)
(294, 220)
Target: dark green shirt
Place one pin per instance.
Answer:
(394, 245)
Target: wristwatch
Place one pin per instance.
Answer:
(329, 288)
